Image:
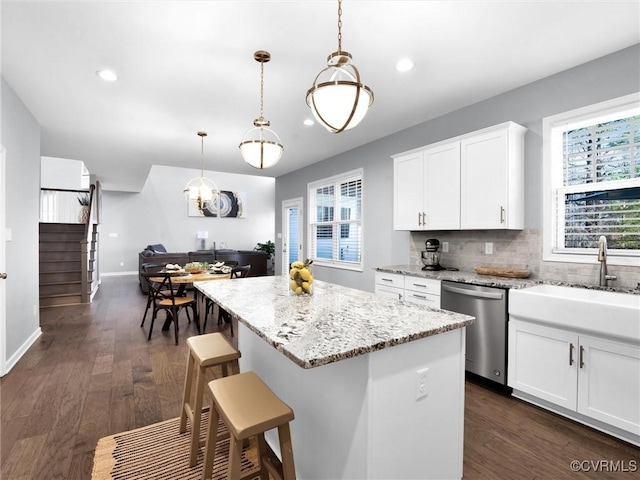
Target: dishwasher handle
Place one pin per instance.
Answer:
(474, 293)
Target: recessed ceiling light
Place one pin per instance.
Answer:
(107, 75)
(404, 65)
(308, 122)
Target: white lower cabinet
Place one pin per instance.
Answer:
(390, 285)
(597, 378)
(423, 291)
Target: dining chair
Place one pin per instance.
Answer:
(148, 268)
(223, 316)
(164, 297)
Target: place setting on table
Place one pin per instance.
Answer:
(184, 276)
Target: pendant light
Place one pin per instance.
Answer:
(201, 189)
(261, 147)
(338, 99)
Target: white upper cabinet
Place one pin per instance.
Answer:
(427, 189)
(492, 179)
(408, 190)
(475, 181)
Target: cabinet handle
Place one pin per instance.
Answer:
(419, 217)
(387, 279)
(581, 356)
(419, 285)
(501, 214)
(570, 354)
(424, 218)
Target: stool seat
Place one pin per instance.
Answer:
(247, 405)
(205, 351)
(212, 349)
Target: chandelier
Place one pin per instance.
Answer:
(338, 99)
(261, 147)
(201, 189)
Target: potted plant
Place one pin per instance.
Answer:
(83, 200)
(270, 249)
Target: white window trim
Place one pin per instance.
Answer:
(342, 177)
(615, 107)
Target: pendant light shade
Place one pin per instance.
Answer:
(201, 189)
(261, 146)
(338, 98)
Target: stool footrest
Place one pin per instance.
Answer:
(272, 464)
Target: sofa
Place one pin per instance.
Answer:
(156, 256)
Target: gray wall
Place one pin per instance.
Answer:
(605, 78)
(158, 214)
(21, 138)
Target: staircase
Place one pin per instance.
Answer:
(65, 257)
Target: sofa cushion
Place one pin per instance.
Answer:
(157, 248)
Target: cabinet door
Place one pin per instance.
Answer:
(390, 292)
(442, 187)
(484, 180)
(543, 362)
(408, 192)
(609, 383)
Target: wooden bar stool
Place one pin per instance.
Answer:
(249, 408)
(205, 351)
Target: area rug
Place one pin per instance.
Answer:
(160, 452)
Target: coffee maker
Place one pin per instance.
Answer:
(431, 256)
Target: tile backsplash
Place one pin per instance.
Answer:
(515, 249)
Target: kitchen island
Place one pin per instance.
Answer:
(377, 385)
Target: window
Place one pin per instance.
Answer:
(592, 182)
(335, 221)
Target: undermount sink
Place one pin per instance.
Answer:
(608, 313)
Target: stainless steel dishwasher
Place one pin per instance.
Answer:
(487, 336)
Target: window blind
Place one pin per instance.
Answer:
(601, 186)
(335, 229)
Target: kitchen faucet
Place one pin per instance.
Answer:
(602, 258)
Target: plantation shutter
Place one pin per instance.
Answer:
(335, 225)
(601, 186)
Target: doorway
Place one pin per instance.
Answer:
(3, 266)
(292, 222)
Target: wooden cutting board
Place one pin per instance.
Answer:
(503, 272)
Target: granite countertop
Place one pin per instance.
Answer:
(460, 276)
(489, 280)
(333, 324)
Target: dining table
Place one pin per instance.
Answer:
(184, 280)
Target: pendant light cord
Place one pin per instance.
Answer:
(339, 26)
(261, 89)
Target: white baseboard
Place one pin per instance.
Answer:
(117, 274)
(11, 362)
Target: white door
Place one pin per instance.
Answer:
(3, 303)
(292, 223)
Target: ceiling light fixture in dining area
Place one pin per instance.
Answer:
(261, 147)
(201, 189)
(338, 99)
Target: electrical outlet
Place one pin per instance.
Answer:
(488, 248)
(445, 247)
(421, 383)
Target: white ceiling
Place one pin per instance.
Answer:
(185, 66)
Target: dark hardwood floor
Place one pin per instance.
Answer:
(92, 373)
